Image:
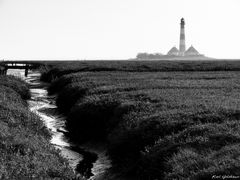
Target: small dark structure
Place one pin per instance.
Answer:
(17, 65)
(3, 70)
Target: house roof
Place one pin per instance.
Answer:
(191, 51)
(174, 50)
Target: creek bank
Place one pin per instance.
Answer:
(26, 152)
(84, 159)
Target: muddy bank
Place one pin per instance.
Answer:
(87, 160)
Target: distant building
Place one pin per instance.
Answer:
(173, 52)
(182, 45)
(191, 51)
(149, 56)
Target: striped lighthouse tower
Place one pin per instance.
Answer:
(182, 46)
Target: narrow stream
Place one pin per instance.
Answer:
(89, 160)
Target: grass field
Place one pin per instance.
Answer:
(25, 150)
(54, 69)
(161, 120)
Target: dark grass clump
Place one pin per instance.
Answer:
(25, 150)
(69, 95)
(17, 85)
(189, 164)
(8, 95)
(93, 118)
(61, 82)
(97, 115)
(189, 154)
(50, 73)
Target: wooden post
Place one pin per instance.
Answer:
(26, 70)
(3, 70)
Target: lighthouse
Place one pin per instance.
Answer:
(182, 46)
(182, 52)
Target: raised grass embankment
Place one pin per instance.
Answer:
(158, 125)
(25, 150)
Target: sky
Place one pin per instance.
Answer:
(116, 29)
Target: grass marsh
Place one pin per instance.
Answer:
(161, 120)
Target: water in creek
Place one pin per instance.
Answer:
(87, 160)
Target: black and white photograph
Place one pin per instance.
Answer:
(120, 89)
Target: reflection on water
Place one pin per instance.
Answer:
(87, 162)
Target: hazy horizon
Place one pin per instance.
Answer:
(111, 29)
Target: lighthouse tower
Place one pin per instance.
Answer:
(182, 53)
(182, 46)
